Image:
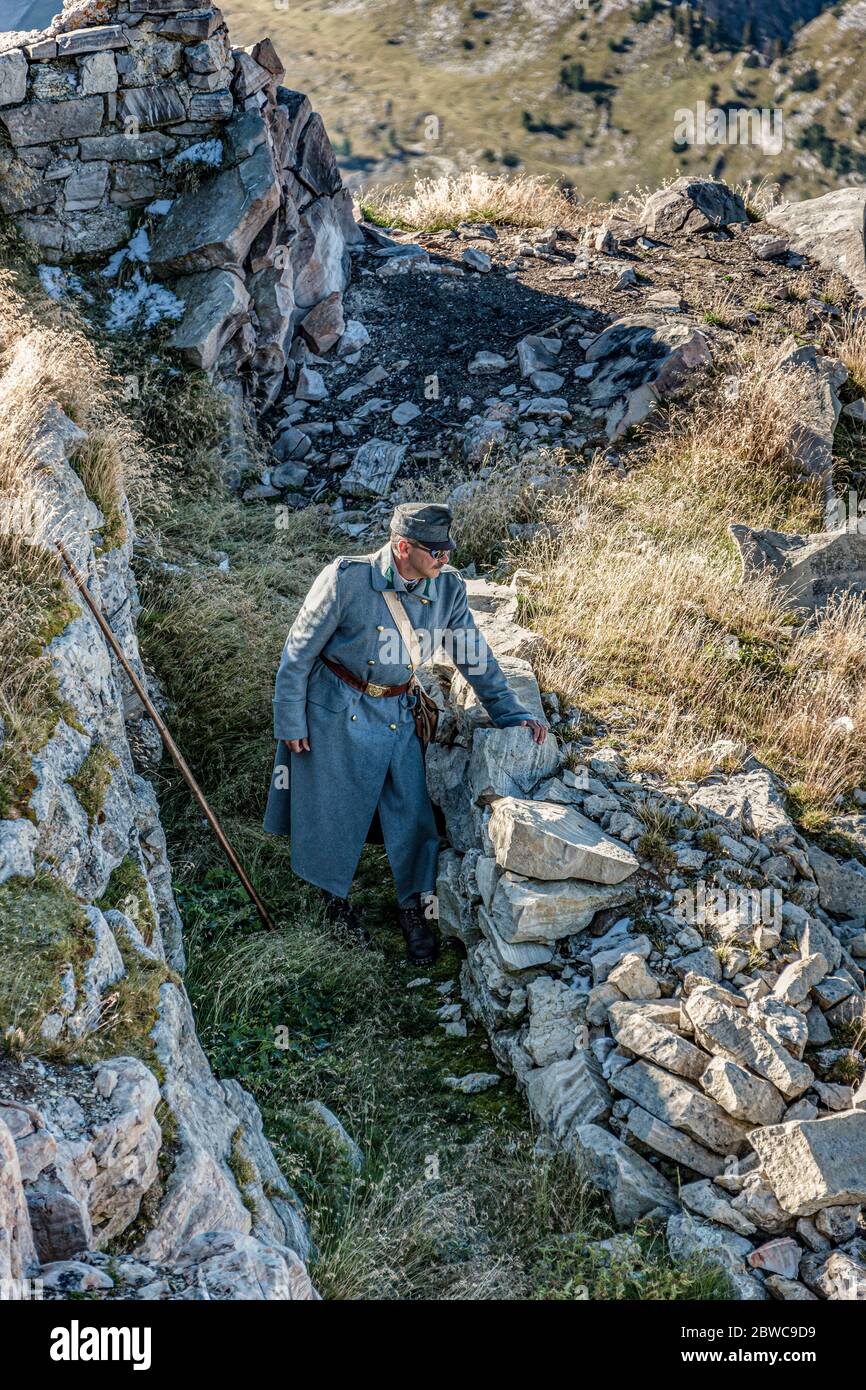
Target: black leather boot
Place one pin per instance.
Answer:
(422, 947)
(340, 912)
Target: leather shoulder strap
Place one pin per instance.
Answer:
(404, 626)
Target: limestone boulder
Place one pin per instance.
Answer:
(691, 204)
(519, 677)
(514, 956)
(495, 610)
(373, 469)
(17, 1251)
(745, 1096)
(215, 304)
(227, 1265)
(640, 359)
(41, 122)
(841, 888)
(632, 977)
(807, 571)
(216, 224)
(813, 400)
(811, 1164)
(555, 1019)
(798, 977)
(545, 840)
(566, 1094)
(634, 1188)
(526, 909)
(13, 77)
(840, 1276)
(651, 1132)
(636, 1031)
(507, 762)
(705, 1199)
(446, 768)
(315, 164)
(750, 803)
(319, 255)
(830, 229)
(324, 325)
(682, 1106)
(689, 1237)
(725, 1030)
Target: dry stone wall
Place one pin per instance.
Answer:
(137, 131)
(688, 1027)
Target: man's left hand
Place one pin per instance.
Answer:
(539, 731)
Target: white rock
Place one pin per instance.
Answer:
(743, 1095)
(812, 1164)
(547, 840)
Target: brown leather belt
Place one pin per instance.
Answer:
(366, 687)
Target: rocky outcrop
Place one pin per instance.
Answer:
(639, 359)
(830, 229)
(681, 1037)
(807, 570)
(142, 1153)
(690, 205)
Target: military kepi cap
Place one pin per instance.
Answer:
(428, 523)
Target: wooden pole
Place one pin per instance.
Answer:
(177, 756)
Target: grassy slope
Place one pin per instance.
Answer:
(377, 93)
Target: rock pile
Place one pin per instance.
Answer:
(687, 1018)
(137, 129)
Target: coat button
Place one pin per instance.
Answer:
(371, 663)
(354, 716)
(380, 628)
(392, 726)
(425, 600)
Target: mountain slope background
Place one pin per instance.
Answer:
(584, 93)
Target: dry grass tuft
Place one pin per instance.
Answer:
(638, 596)
(848, 342)
(42, 368)
(759, 197)
(437, 203)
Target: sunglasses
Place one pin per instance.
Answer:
(434, 554)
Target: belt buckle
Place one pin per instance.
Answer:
(375, 690)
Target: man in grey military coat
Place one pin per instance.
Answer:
(347, 748)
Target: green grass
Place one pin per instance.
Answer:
(43, 929)
(34, 609)
(127, 891)
(92, 781)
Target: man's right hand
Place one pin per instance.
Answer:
(297, 745)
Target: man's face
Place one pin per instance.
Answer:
(420, 560)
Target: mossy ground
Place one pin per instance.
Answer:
(34, 609)
(43, 929)
(92, 780)
(127, 891)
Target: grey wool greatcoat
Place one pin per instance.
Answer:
(364, 752)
